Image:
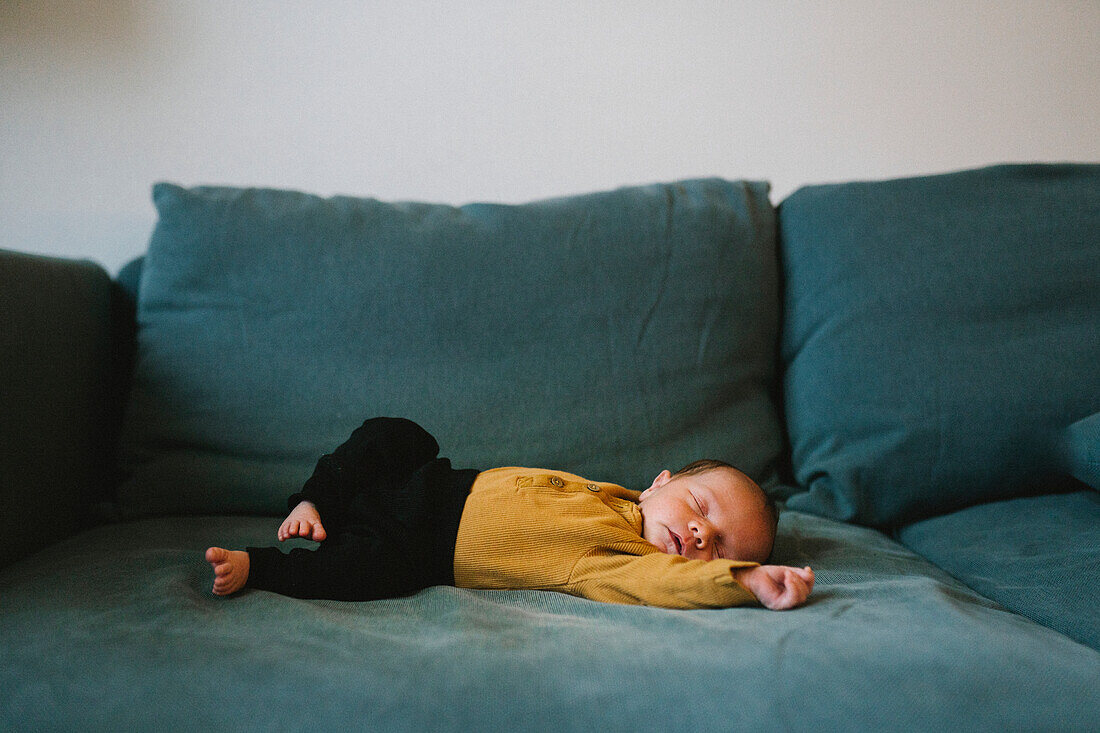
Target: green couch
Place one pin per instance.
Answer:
(909, 366)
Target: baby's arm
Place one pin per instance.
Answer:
(777, 587)
(658, 579)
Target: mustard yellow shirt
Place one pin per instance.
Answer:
(525, 528)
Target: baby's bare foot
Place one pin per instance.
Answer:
(230, 569)
(303, 521)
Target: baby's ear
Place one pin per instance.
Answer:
(661, 480)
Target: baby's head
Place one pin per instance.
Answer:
(706, 510)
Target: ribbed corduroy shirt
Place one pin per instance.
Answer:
(524, 528)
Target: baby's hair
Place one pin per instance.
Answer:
(703, 465)
(711, 464)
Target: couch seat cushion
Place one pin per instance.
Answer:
(115, 629)
(1039, 556)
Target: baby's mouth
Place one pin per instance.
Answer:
(677, 542)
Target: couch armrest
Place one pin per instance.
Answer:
(55, 413)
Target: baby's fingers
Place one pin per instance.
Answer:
(807, 575)
(796, 589)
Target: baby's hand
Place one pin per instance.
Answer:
(778, 587)
(303, 521)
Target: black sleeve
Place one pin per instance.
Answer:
(382, 448)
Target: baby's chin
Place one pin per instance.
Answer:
(652, 535)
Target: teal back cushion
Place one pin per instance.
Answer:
(611, 334)
(940, 335)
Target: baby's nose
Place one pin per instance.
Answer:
(702, 535)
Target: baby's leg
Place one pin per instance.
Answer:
(303, 521)
(230, 569)
(347, 567)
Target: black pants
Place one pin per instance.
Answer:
(390, 508)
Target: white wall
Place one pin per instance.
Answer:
(511, 101)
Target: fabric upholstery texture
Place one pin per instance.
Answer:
(610, 334)
(940, 350)
(887, 643)
(55, 396)
(1081, 448)
(940, 334)
(1038, 556)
